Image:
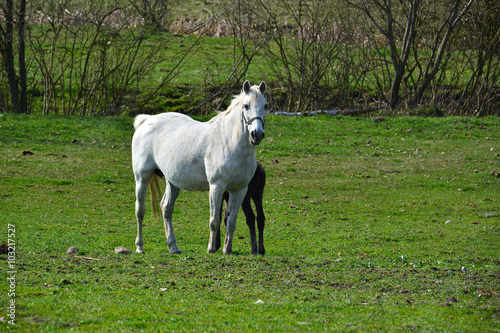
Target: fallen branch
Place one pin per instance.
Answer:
(360, 111)
(330, 112)
(312, 113)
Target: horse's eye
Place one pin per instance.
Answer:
(246, 106)
(266, 106)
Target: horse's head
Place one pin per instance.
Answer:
(254, 109)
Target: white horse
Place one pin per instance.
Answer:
(215, 156)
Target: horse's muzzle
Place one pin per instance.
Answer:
(256, 136)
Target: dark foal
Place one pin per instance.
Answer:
(255, 192)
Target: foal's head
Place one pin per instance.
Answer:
(254, 109)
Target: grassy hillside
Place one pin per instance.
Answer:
(371, 226)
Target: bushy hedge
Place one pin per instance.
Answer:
(98, 58)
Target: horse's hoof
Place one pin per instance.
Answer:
(141, 251)
(175, 251)
(211, 250)
(227, 252)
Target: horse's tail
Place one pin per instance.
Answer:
(139, 120)
(155, 188)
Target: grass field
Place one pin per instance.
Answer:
(371, 226)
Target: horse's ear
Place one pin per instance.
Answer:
(262, 87)
(246, 87)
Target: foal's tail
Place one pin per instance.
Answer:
(155, 188)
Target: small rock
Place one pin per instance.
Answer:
(72, 250)
(27, 152)
(259, 301)
(447, 222)
(4, 249)
(122, 250)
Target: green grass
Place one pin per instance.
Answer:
(356, 235)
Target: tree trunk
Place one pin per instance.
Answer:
(23, 102)
(396, 84)
(9, 56)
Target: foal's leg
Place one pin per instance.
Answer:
(167, 207)
(250, 218)
(235, 200)
(141, 189)
(261, 221)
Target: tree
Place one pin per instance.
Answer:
(441, 38)
(391, 17)
(382, 13)
(304, 46)
(17, 86)
(23, 102)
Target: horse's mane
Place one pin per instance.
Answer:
(234, 102)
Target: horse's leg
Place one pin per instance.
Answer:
(141, 189)
(217, 237)
(250, 218)
(235, 200)
(225, 198)
(261, 220)
(167, 207)
(216, 193)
